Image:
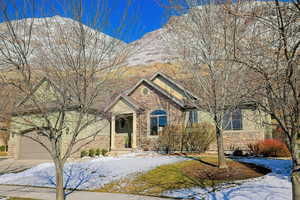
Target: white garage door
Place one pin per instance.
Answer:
(32, 150)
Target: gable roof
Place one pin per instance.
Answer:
(159, 89)
(177, 85)
(128, 99)
(36, 87)
(24, 109)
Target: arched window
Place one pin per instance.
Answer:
(158, 118)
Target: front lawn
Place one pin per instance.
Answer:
(200, 172)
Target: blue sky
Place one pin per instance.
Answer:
(143, 15)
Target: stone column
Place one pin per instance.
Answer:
(113, 132)
(134, 130)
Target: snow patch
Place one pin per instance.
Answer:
(91, 174)
(273, 186)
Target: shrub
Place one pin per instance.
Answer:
(254, 149)
(97, 152)
(91, 152)
(279, 134)
(83, 153)
(269, 148)
(237, 152)
(2, 148)
(273, 148)
(198, 137)
(104, 152)
(195, 138)
(170, 138)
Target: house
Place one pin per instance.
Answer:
(28, 117)
(140, 112)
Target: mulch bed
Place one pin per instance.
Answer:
(235, 171)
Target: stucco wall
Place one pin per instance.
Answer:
(3, 139)
(101, 128)
(121, 107)
(171, 90)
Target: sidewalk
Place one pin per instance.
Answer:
(49, 194)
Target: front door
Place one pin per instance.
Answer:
(124, 128)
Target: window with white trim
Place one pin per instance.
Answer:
(158, 118)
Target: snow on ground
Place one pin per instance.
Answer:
(90, 174)
(273, 186)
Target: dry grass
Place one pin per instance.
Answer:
(20, 198)
(201, 172)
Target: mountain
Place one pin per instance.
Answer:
(55, 39)
(51, 37)
(152, 48)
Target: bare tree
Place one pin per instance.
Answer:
(72, 63)
(270, 53)
(202, 36)
(6, 104)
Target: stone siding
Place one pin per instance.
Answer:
(120, 139)
(239, 139)
(153, 101)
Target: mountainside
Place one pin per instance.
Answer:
(152, 48)
(52, 36)
(55, 39)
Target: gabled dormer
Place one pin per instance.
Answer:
(170, 86)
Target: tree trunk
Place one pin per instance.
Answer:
(59, 181)
(295, 176)
(296, 183)
(220, 145)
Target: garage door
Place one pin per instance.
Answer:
(32, 150)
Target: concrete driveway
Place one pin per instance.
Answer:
(13, 166)
(49, 194)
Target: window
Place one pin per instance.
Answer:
(233, 120)
(145, 91)
(121, 125)
(193, 117)
(158, 118)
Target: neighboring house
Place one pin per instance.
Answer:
(140, 112)
(28, 116)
